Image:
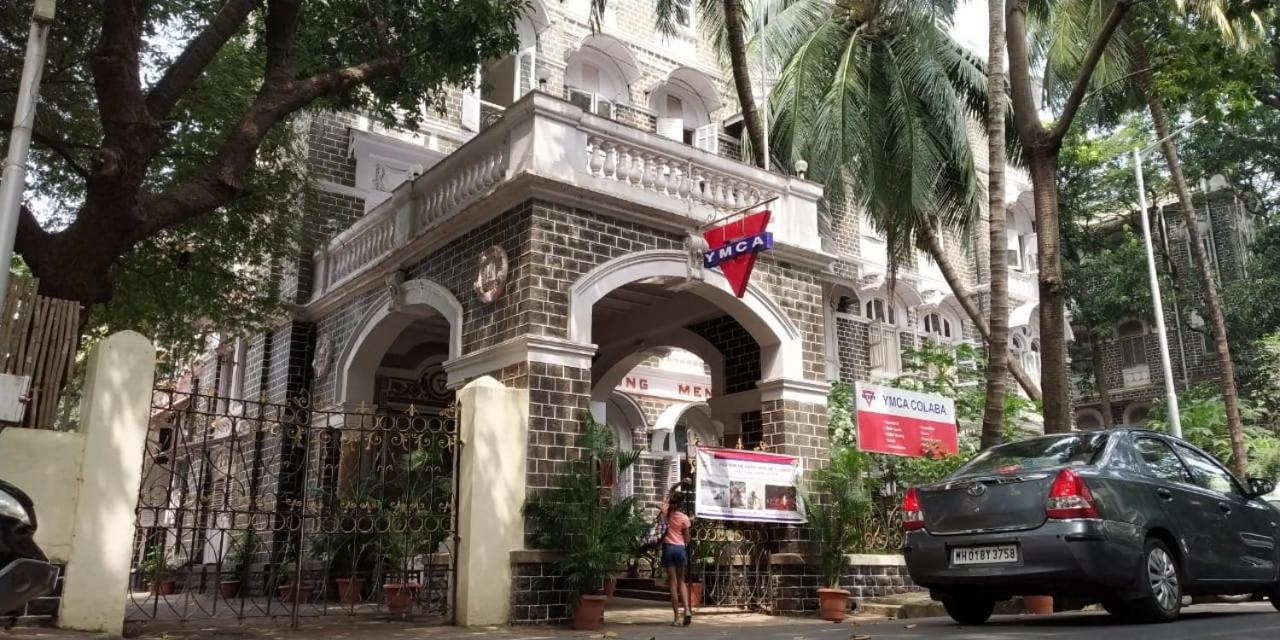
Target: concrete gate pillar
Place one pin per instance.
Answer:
(115, 415)
(493, 430)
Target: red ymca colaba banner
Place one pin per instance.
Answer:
(904, 423)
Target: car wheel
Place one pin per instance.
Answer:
(968, 611)
(1274, 597)
(1161, 599)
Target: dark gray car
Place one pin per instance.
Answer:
(1134, 519)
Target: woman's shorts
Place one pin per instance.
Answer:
(674, 555)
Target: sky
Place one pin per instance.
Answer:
(971, 26)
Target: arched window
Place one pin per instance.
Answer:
(938, 326)
(683, 105)
(598, 73)
(878, 310)
(1088, 420)
(1017, 343)
(1135, 415)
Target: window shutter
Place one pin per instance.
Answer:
(671, 128)
(525, 66)
(707, 138)
(604, 108)
(580, 99)
(471, 106)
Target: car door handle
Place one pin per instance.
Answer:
(1164, 494)
(1224, 507)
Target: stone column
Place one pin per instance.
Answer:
(114, 420)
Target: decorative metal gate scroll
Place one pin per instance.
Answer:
(732, 561)
(255, 509)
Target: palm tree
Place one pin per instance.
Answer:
(1040, 148)
(880, 93)
(993, 414)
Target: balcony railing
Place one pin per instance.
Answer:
(550, 139)
(1023, 285)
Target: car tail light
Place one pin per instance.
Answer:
(912, 514)
(1069, 497)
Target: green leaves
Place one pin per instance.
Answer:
(835, 505)
(594, 532)
(876, 97)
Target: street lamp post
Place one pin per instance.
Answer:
(1171, 392)
(15, 164)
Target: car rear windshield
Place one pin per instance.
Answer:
(1036, 454)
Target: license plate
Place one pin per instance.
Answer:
(996, 554)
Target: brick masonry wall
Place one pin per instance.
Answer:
(794, 587)
(539, 594)
(740, 351)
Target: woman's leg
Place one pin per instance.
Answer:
(673, 586)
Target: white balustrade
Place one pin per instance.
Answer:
(554, 140)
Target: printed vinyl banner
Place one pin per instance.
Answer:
(900, 422)
(748, 486)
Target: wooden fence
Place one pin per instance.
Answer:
(38, 338)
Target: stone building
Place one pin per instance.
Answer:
(535, 232)
(1131, 361)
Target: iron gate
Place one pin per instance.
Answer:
(731, 559)
(255, 509)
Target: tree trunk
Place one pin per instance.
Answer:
(1100, 380)
(1054, 377)
(965, 298)
(1212, 301)
(997, 371)
(735, 31)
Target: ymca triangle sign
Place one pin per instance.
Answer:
(734, 245)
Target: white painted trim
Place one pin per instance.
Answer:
(611, 373)
(735, 403)
(799, 390)
(782, 351)
(340, 189)
(875, 560)
(358, 361)
(525, 348)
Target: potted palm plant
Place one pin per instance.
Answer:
(237, 564)
(837, 501)
(345, 543)
(159, 572)
(419, 526)
(591, 530)
(291, 589)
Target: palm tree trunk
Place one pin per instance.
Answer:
(1212, 301)
(736, 35)
(1100, 380)
(997, 371)
(965, 298)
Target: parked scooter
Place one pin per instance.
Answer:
(25, 572)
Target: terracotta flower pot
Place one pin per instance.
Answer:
(400, 596)
(349, 590)
(834, 604)
(610, 586)
(1038, 605)
(164, 587)
(228, 589)
(295, 595)
(589, 614)
(695, 594)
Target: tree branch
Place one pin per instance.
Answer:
(193, 60)
(60, 147)
(282, 28)
(1100, 43)
(1025, 116)
(223, 179)
(115, 66)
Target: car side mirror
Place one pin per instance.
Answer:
(1260, 487)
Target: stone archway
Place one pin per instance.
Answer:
(781, 347)
(381, 326)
